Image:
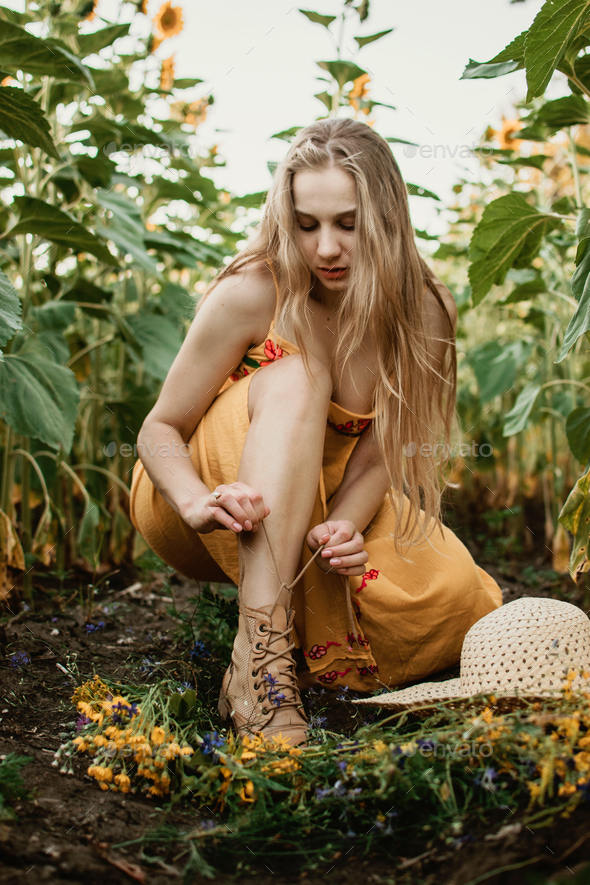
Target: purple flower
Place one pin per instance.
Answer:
(91, 628)
(53, 620)
(82, 721)
(19, 659)
(342, 766)
(318, 721)
(342, 696)
(274, 696)
(199, 651)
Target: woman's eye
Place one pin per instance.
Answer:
(313, 227)
(347, 226)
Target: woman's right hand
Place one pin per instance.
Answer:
(239, 508)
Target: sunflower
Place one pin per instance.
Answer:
(168, 20)
(167, 74)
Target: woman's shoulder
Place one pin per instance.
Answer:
(439, 305)
(248, 291)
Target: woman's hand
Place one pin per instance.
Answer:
(344, 552)
(239, 507)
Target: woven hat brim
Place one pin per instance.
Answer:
(416, 695)
(430, 693)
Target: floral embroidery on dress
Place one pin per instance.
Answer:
(318, 651)
(235, 376)
(332, 675)
(369, 670)
(354, 427)
(368, 576)
(352, 641)
(272, 351)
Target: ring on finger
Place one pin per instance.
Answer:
(216, 495)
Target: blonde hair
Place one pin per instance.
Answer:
(413, 400)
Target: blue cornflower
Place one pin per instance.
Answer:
(119, 709)
(183, 687)
(19, 659)
(211, 740)
(199, 651)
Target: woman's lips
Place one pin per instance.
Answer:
(333, 273)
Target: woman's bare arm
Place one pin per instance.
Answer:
(228, 323)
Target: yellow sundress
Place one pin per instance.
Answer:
(411, 612)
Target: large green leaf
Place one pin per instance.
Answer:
(555, 26)
(510, 59)
(510, 232)
(575, 517)
(562, 112)
(364, 41)
(342, 71)
(96, 41)
(23, 118)
(578, 325)
(51, 223)
(517, 418)
(577, 428)
(10, 310)
(39, 399)
(526, 291)
(495, 366)
(160, 341)
(126, 228)
(21, 51)
(325, 20)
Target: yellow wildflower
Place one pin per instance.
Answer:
(168, 20)
(105, 787)
(158, 735)
(81, 744)
(123, 782)
(566, 789)
(380, 747)
(100, 740)
(187, 751)
(100, 772)
(247, 794)
(487, 716)
(157, 790)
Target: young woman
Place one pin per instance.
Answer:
(303, 412)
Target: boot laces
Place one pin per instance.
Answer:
(276, 697)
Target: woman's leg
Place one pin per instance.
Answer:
(282, 459)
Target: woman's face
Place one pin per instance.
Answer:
(325, 208)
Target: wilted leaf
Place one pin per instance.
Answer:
(575, 517)
(23, 118)
(11, 554)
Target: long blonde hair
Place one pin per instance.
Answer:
(413, 401)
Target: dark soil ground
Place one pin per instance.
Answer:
(70, 831)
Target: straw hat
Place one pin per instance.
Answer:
(522, 650)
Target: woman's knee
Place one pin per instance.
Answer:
(289, 379)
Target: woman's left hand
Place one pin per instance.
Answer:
(344, 552)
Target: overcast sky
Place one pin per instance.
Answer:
(258, 60)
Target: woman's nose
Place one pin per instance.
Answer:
(328, 245)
